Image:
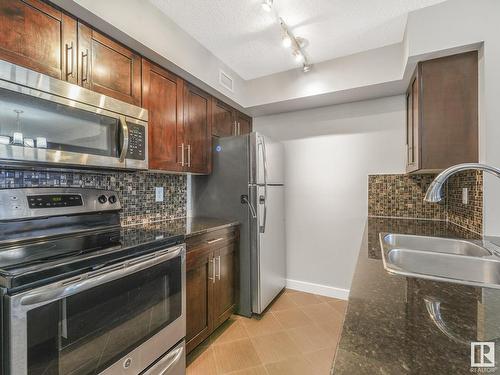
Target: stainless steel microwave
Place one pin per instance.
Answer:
(46, 122)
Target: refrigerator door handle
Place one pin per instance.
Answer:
(262, 144)
(244, 200)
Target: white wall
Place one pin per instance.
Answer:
(329, 153)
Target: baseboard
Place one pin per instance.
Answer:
(322, 290)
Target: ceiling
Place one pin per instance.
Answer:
(247, 38)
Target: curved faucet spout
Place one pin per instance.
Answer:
(435, 191)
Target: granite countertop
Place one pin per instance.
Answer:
(186, 227)
(387, 327)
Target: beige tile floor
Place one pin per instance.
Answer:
(298, 335)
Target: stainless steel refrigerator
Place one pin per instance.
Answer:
(247, 184)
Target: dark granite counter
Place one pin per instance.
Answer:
(388, 328)
(187, 227)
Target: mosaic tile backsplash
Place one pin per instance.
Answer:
(136, 190)
(403, 196)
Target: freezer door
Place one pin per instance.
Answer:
(269, 268)
(266, 155)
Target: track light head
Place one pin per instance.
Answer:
(286, 40)
(267, 5)
(299, 57)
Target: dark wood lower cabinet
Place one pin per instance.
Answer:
(211, 283)
(225, 283)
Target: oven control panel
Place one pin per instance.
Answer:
(54, 200)
(17, 204)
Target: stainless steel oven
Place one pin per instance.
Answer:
(48, 122)
(126, 318)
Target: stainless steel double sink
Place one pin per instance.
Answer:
(442, 259)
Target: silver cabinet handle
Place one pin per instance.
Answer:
(235, 128)
(55, 292)
(69, 67)
(212, 261)
(85, 56)
(218, 261)
(125, 143)
(165, 364)
(189, 155)
(239, 128)
(215, 240)
(182, 154)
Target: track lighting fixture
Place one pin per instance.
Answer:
(267, 5)
(288, 40)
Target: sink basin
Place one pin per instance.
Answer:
(440, 259)
(436, 244)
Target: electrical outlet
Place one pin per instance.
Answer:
(465, 196)
(159, 194)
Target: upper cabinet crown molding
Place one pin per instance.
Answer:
(442, 113)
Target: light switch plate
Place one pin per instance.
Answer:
(159, 194)
(465, 196)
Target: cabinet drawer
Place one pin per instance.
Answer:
(212, 240)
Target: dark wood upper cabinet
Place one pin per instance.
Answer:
(227, 121)
(182, 118)
(442, 113)
(223, 123)
(108, 67)
(197, 130)
(39, 37)
(244, 123)
(162, 96)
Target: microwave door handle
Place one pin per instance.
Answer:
(125, 143)
(48, 294)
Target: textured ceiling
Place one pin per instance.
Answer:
(247, 38)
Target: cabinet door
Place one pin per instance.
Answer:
(39, 37)
(200, 279)
(197, 130)
(163, 98)
(244, 124)
(225, 283)
(223, 123)
(412, 125)
(107, 67)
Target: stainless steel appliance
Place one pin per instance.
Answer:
(80, 294)
(247, 184)
(49, 121)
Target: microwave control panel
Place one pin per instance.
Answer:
(137, 142)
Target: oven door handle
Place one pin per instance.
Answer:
(166, 363)
(48, 293)
(125, 142)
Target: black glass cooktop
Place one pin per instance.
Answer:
(34, 262)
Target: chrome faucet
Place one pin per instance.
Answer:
(435, 191)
